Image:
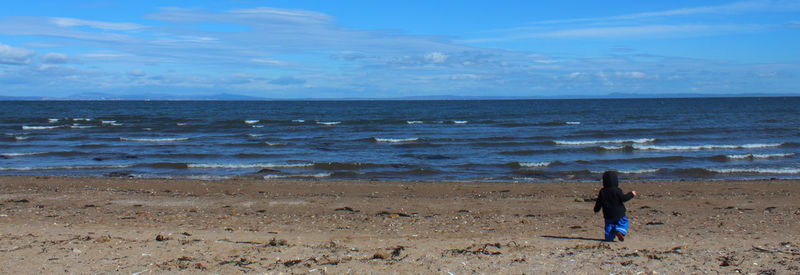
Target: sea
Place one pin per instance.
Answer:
(436, 140)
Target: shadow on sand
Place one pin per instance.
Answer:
(572, 238)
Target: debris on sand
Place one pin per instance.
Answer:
(346, 209)
(277, 242)
(475, 249)
(19, 201)
(730, 260)
(161, 238)
(390, 254)
(104, 239)
(393, 215)
(181, 263)
(383, 255)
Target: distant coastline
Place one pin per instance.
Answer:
(237, 97)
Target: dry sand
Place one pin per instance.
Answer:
(145, 226)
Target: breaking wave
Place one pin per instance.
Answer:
(245, 166)
(704, 147)
(154, 139)
(756, 170)
(395, 140)
(760, 156)
(614, 141)
(26, 127)
(319, 175)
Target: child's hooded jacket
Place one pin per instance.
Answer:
(611, 198)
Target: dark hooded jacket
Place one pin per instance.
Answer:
(611, 199)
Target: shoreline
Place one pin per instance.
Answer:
(258, 177)
(66, 224)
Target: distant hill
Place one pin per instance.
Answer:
(228, 96)
(103, 96)
(20, 98)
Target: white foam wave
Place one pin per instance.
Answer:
(610, 141)
(10, 155)
(81, 119)
(256, 135)
(245, 166)
(573, 123)
(638, 171)
(207, 177)
(76, 126)
(535, 164)
(460, 121)
(251, 121)
(52, 120)
(275, 144)
(21, 138)
(257, 126)
(705, 147)
(757, 170)
(760, 156)
(414, 122)
(63, 167)
(396, 140)
(320, 175)
(613, 147)
(180, 124)
(26, 127)
(108, 121)
(153, 139)
(329, 122)
(298, 120)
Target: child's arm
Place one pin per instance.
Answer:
(597, 205)
(628, 196)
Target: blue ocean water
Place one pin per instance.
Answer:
(495, 140)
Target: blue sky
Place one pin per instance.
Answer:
(384, 49)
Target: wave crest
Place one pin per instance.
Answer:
(26, 127)
(395, 140)
(705, 147)
(610, 141)
(244, 166)
(153, 139)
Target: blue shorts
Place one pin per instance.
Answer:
(613, 226)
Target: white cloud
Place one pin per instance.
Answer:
(54, 58)
(287, 15)
(638, 75)
(73, 22)
(104, 55)
(15, 56)
(652, 24)
(268, 61)
(732, 8)
(463, 77)
(644, 31)
(136, 73)
(435, 57)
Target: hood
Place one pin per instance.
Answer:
(610, 179)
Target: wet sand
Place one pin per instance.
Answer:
(153, 226)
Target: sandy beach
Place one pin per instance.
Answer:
(151, 226)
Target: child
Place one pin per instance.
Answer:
(611, 200)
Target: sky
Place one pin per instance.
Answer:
(389, 49)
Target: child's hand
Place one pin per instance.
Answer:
(634, 193)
